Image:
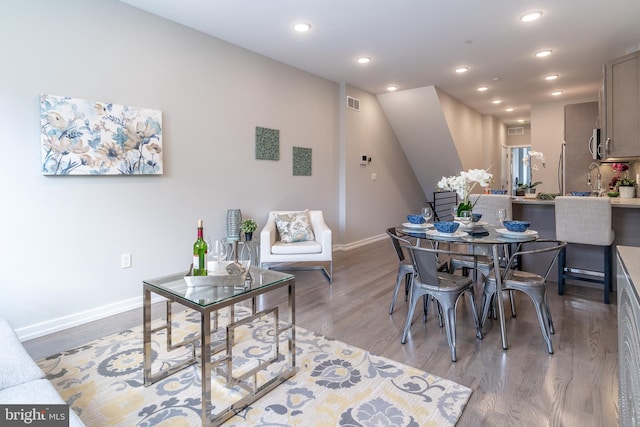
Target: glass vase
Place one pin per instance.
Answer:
(464, 206)
(234, 218)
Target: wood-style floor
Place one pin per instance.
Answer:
(522, 386)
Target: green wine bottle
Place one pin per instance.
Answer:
(200, 254)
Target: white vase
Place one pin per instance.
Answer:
(627, 192)
(530, 193)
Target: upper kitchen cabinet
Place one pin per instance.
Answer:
(620, 113)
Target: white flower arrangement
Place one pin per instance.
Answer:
(526, 160)
(536, 155)
(464, 183)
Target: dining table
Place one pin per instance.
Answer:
(480, 234)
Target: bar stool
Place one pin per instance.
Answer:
(586, 221)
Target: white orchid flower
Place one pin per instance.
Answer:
(536, 155)
(464, 183)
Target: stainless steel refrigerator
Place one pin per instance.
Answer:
(580, 124)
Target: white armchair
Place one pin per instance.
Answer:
(273, 251)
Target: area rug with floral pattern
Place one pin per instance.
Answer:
(335, 384)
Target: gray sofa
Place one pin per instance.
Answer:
(21, 379)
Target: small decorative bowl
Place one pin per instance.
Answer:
(613, 194)
(581, 193)
(448, 227)
(498, 191)
(415, 219)
(475, 217)
(517, 226)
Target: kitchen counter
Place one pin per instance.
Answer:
(629, 256)
(628, 297)
(625, 217)
(616, 202)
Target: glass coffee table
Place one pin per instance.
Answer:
(207, 296)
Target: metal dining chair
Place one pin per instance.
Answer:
(442, 203)
(405, 266)
(444, 287)
(531, 284)
(487, 205)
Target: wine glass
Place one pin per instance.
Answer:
(218, 249)
(501, 215)
(427, 213)
(454, 211)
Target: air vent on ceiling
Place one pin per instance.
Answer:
(353, 103)
(515, 131)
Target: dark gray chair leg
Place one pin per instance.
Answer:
(562, 260)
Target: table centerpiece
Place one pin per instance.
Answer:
(463, 184)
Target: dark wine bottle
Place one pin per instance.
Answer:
(200, 254)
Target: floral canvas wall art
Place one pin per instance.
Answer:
(81, 137)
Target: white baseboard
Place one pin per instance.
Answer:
(61, 323)
(360, 243)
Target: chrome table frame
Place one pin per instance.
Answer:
(176, 293)
(494, 239)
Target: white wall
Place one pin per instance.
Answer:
(478, 138)
(520, 140)
(494, 138)
(418, 121)
(395, 192)
(62, 237)
(442, 136)
(465, 125)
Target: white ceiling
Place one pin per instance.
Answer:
(416, 43)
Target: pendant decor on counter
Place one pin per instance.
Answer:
(234, 218)
(627, 192)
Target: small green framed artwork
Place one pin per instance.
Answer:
(267, 144)
(301, 161)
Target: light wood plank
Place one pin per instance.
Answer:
(523, 386)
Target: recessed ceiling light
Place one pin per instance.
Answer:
(510, 109)
(482, 88)
(543, 53)
(363, 60)
(521, 120)
(497, 101)
(392, 88)
(556, 93)
(531, 16)
(551, 77)
(302, 27)
(462, 69)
